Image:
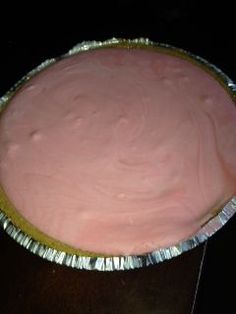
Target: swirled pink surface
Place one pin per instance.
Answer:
(119, 151)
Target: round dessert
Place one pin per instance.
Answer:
(119, 151)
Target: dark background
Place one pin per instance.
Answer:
(206, 29)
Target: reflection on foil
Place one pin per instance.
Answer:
(117, 262)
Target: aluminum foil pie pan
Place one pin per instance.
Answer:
(52, 250)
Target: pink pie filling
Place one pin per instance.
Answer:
(119, 151)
